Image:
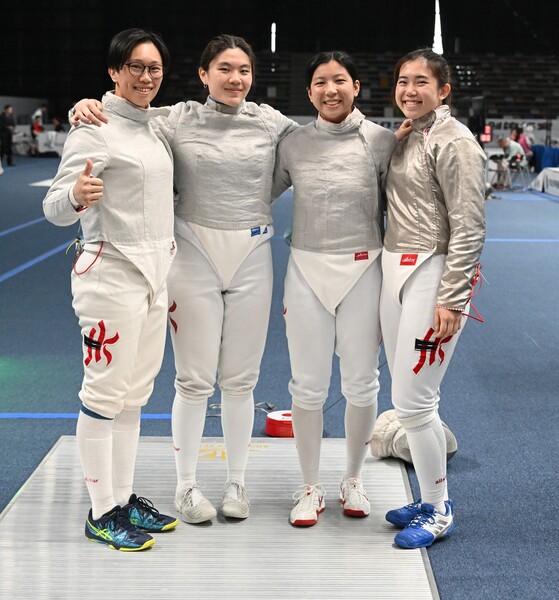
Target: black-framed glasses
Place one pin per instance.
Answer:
(137, 70)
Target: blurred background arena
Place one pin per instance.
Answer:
(504, 52)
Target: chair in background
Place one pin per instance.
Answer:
(519, 173)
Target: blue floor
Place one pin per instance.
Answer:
(499, 395)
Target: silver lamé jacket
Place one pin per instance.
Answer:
(436, 196)
(338, 172)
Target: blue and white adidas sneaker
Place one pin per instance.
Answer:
(426, 527)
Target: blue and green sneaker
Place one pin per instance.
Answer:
(114, 529)
(141, 513)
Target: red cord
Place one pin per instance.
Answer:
(477, 279)
(89, 267)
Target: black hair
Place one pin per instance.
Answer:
(123, 43)
(438, 65)
(323, 58)
(225, 42)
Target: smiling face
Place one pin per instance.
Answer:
(229, 76)
(332, 91)
(139, 90)
(417, 89)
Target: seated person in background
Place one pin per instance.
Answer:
(36, 128)
(512, 151)
(57, 124)
(513, 157)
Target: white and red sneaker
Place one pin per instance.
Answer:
(309, 503)
(353, 498)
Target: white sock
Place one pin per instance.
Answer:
(359, 422)
(188, 422)
(428, 451)
(307, 428)
(95, 448)
(126, 435)
(237, 420)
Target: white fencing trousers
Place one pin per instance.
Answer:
(216, 330)
(417, 361)
(313, 334)
(123, 333)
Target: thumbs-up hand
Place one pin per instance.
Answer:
(88, 190)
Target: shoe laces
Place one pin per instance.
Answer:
(236, 491)
(146, 505)
(120, 519)
(354, 485)
(412, 505)
(309, 492)
(425, 517)
(192, 495)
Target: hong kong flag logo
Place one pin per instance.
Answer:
(97, 347)
(172, 309)
(430, 347)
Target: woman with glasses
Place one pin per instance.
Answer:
(118, 183)
(220, 285)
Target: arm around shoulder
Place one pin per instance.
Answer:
(281, 124)
(282, 177)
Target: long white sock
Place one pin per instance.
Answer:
(126, 435)
(188, 422)
(307, 428)
(428, 451)
(359, 422)
(95, 448)
(237, 420)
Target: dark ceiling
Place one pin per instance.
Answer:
(56, 49)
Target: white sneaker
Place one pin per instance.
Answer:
(193, 507)
(236, 503)
(309, 503)
(353, 498)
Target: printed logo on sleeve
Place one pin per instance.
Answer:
(408, 260)
(362, 255)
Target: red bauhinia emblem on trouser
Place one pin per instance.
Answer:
(172, 309)
(433, 347)
(97, 346)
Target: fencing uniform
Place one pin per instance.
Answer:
(333, 280)
(434, 238)
(120, 298)
(119, 281)
(221, 284)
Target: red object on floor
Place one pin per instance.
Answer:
(278, 424)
